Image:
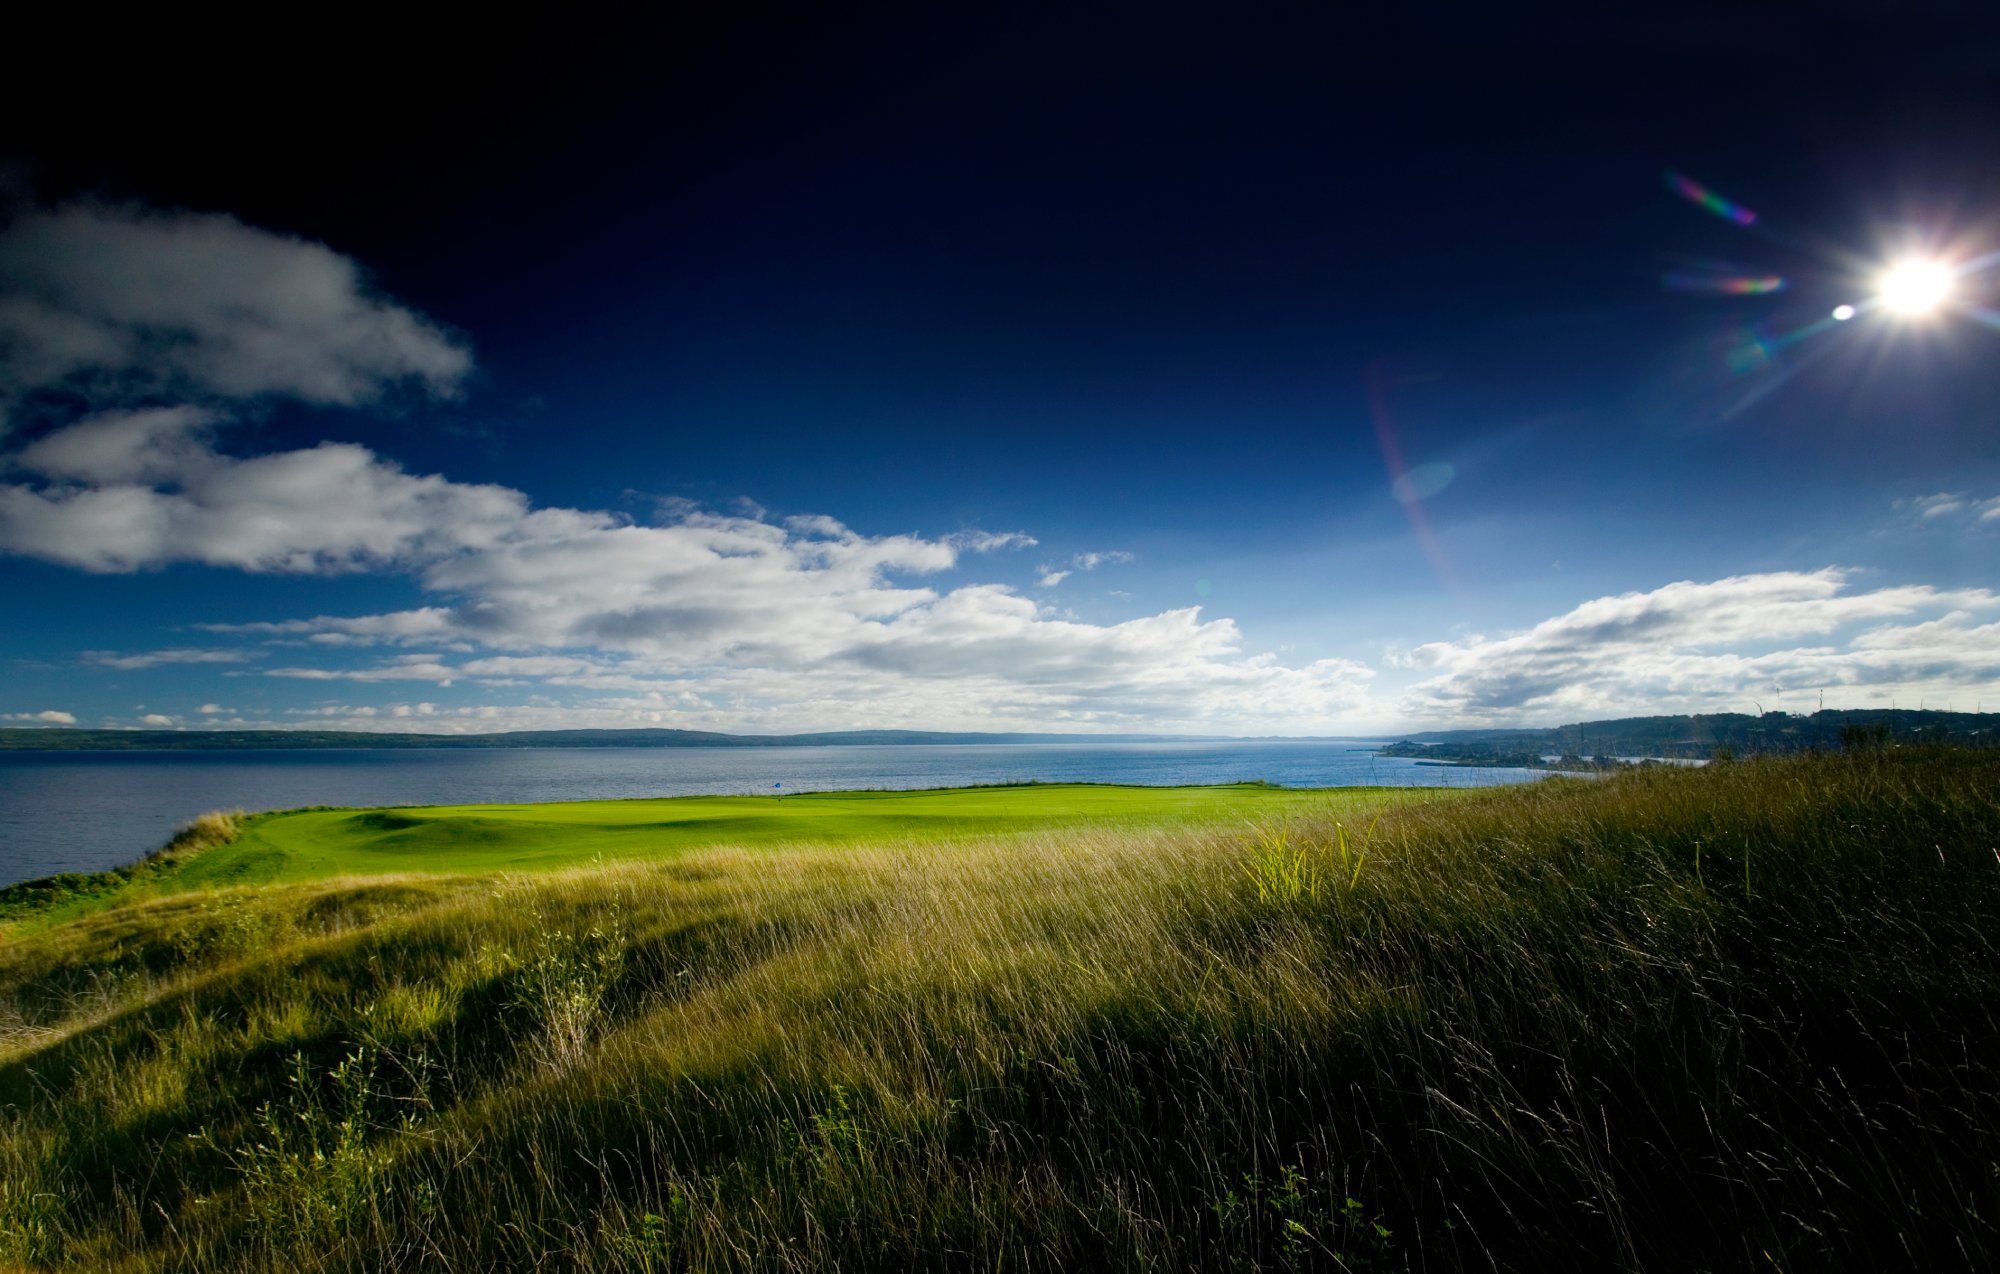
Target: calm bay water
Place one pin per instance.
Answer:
(83, 811)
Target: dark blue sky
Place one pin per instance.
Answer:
(1176, 295)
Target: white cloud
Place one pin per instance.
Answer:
(1091, 561)
(414, 668)
(49, 717)
(813, 526)
(155, 445)
(129, 491)
(812, 625)
(1052, 576)
(990, 542)
(1701, 646)
(157, 719)
(115, 299)
(737, 621)
(806, 641)
(427, 625)
(156, 658)
(772, 618)
(805, 620)
(1952, 506)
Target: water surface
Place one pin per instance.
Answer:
(87, 811)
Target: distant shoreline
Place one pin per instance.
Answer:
(1696, 737)
(74, 740)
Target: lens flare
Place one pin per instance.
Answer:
(1422, 482)
(1403, 480)
(1915, 287)
(1702, 197)
(1723, 284)
(1932, 277)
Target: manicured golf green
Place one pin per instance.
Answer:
(311, 844)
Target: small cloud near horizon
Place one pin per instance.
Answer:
(47, 717)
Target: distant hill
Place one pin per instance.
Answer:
(1702, 735)
(1678, 736)
(66, 740)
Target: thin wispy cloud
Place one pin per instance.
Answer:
(413, 669)
(160, 658)
(990, 542)
(1091, 561)
(427, 625)
(1953, 507)
(1051, 576)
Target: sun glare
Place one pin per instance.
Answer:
(1915, 287)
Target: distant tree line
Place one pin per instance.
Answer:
(1598, 744)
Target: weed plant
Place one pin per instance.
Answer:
(1741, 1017)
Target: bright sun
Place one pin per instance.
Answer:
(1915, 287)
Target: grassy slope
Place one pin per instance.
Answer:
(1734, 1018)
(313, 844)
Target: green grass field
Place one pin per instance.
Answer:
(312, 844)
(1746, 1017)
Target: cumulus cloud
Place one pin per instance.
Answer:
(755, 613)
(809, 623)
(819, 642)
(49, 717)
(733, 620)
(130, 490)
(1696, 646)
(739, 615)
(115, 299)
(115, 306)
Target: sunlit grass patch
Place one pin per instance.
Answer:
(307, 844)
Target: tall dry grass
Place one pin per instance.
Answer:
(1741, 1017)
(51, 899)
